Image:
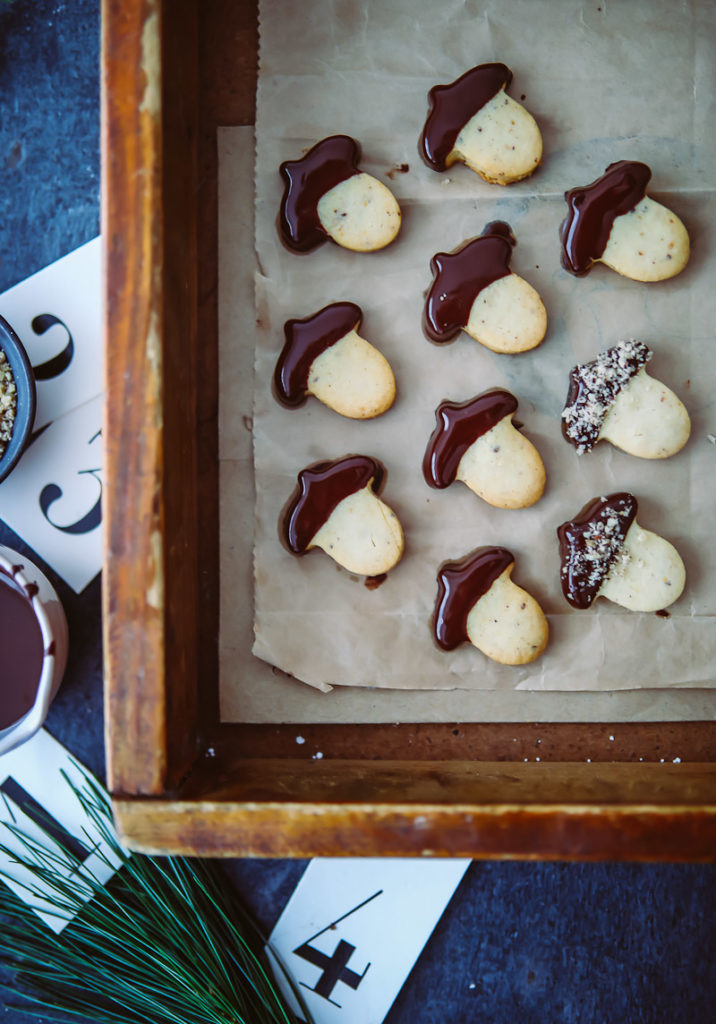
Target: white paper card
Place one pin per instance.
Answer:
(36, 798)
(354, 927)
(57, 314)
(52, 499)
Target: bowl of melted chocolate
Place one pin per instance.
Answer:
(33, 648)
(17, 399)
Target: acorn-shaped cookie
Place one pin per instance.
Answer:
(605, 553)
(326, 195)
(614, 399)
(613, 221)
(323, 355)
(477, 601)
(476, 442)
(336, 507)
(475, 122)
(474, 290)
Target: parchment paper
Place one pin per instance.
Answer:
(625, 82)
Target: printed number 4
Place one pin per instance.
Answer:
(90, 521)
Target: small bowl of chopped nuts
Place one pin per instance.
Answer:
(17, 398)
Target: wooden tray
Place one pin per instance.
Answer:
(181, 781)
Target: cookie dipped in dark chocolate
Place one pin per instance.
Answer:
(305, 340)
(330, 162)
(459, 424)
(593, 209)
(590, 545)
(460, 585)
(459, 276)
(22, 649)
(321, 488)
(452, 106)
(594, 386)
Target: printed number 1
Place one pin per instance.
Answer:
(52, 492)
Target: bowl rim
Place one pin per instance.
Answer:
(26, 397)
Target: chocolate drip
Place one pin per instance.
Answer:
(459, 276)
(330, 162)
(452, 106)
(305, 341)
(590, 545)
(321, 488)
(22, 653)
(594, 386)
(460, 585)
(459, 424)
(593, 210)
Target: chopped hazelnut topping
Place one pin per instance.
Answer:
(8, 403)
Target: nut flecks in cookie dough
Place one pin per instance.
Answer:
(326, 195)
(605, 553)
(323, 355)
(613, 398)
(475, 290)
(475, 122)
(336, 507)
(478, 602)
(613, 221)
(476, 442)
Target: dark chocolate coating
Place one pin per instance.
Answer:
(305, 340)
(460, 585)
(452, 106)
(320, 489)
(330, 162)
(594, 386)
(590, 545)
(459, 276)
(22, 651)
(459, 424)
(593, 209)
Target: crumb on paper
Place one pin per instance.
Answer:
(711, 438)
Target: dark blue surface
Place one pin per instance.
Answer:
(520, 943)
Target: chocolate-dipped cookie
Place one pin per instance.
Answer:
(323, 355)
(613, 221)
(475, 290)
(326, 195)
(473, 121)
(605, 553)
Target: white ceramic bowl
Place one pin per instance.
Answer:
(53, 626)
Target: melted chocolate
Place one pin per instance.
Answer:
(330, 162)
(452, 106)
(594, 386)
(593, 210)
(320, 489)
(460, 585)
(459, 276)
(459, 424)
(590, 545)
(22, 653)
(305, 340)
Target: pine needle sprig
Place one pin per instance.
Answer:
(166, 941)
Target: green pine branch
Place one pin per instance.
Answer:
(167, 941)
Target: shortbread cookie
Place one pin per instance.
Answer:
(323, 355)
(477, 601)
(605, 553)
(475, 122)
(336, 507)
(476, 442)
(613, 221)
(474, 290)
(614, 399)
(326, 195)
